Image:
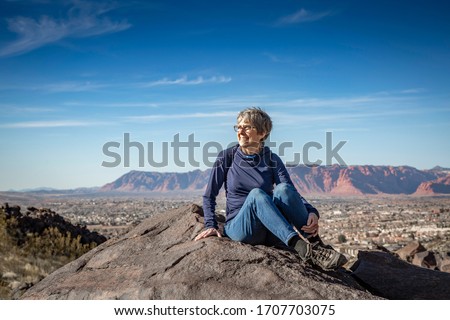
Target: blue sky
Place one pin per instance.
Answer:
(75, 75)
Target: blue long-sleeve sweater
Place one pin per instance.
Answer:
(263, 170)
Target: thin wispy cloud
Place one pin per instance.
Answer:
(409, 91)
(413, 90)
(266, 101)
(87, 86)
(197, 115)
(63, 86)
(11, 109)
(51, 124)
(186, 81)
(71, 87)
(302, 16)
(112, 105)
(286, 60)
(83, 20)
(318, 119)
(344, 102)
(276, 58)
(235, 103)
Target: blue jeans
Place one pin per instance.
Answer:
(262, 217)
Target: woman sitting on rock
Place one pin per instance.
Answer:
(256, 211)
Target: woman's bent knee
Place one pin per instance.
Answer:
(257, 193)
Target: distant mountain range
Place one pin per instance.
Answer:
(336, 180)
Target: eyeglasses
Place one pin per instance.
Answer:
(245, 128)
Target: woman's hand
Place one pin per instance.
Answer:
(211, 232)
(312, 225)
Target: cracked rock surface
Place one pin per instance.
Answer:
(160, 260)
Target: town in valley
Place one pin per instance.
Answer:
(349, 223)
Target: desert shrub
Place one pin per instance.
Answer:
(26, 257)
(342, 238)
(53, 243)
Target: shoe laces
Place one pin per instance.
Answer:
(322, 253)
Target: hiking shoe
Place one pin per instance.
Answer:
(325, 257)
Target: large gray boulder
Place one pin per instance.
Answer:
(388, 276)
(159, 260)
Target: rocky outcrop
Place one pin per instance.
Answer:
(386, 275)
(139, 181)
(407, 252)
(415, 253)
(438, 186)
(362, 179)
(37, 221)
(160, 260)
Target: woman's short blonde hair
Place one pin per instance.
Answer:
(258, 118)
